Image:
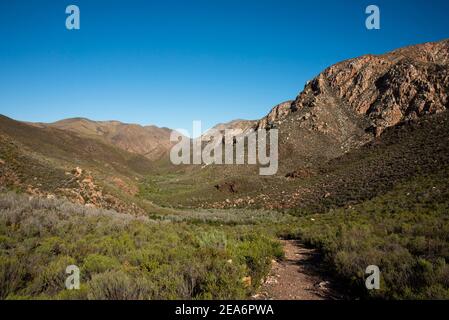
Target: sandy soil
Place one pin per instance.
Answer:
(300, 276)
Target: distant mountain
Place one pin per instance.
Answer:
(238, 124)
(234, 127)
(150, 141)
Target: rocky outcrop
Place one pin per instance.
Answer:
(276, 114)
(80, 187)
(385, 90)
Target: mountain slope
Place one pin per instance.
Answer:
(345, 110)
(402, 153)
(149, 141)
(401, 85)
(235, 127)
(349, 103)
(49, 161)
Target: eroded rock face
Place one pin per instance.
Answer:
(276, 114)
(386, 89)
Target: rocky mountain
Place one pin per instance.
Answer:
(344, 107)
(345, 111)
(402, 153)
(385, 89)
(353, 101)
(150, 141)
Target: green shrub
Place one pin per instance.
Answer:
(97, 263)
(117, 285)
(52, 278)
(12, 276)
(126, 257)
(404, 232)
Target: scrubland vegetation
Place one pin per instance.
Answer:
(405, 232)
(384, 204)
(126, 257)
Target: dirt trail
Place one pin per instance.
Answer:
(298, 277)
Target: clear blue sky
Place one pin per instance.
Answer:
(171, 62)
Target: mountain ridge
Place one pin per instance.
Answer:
(150, 141)
(356, 81)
